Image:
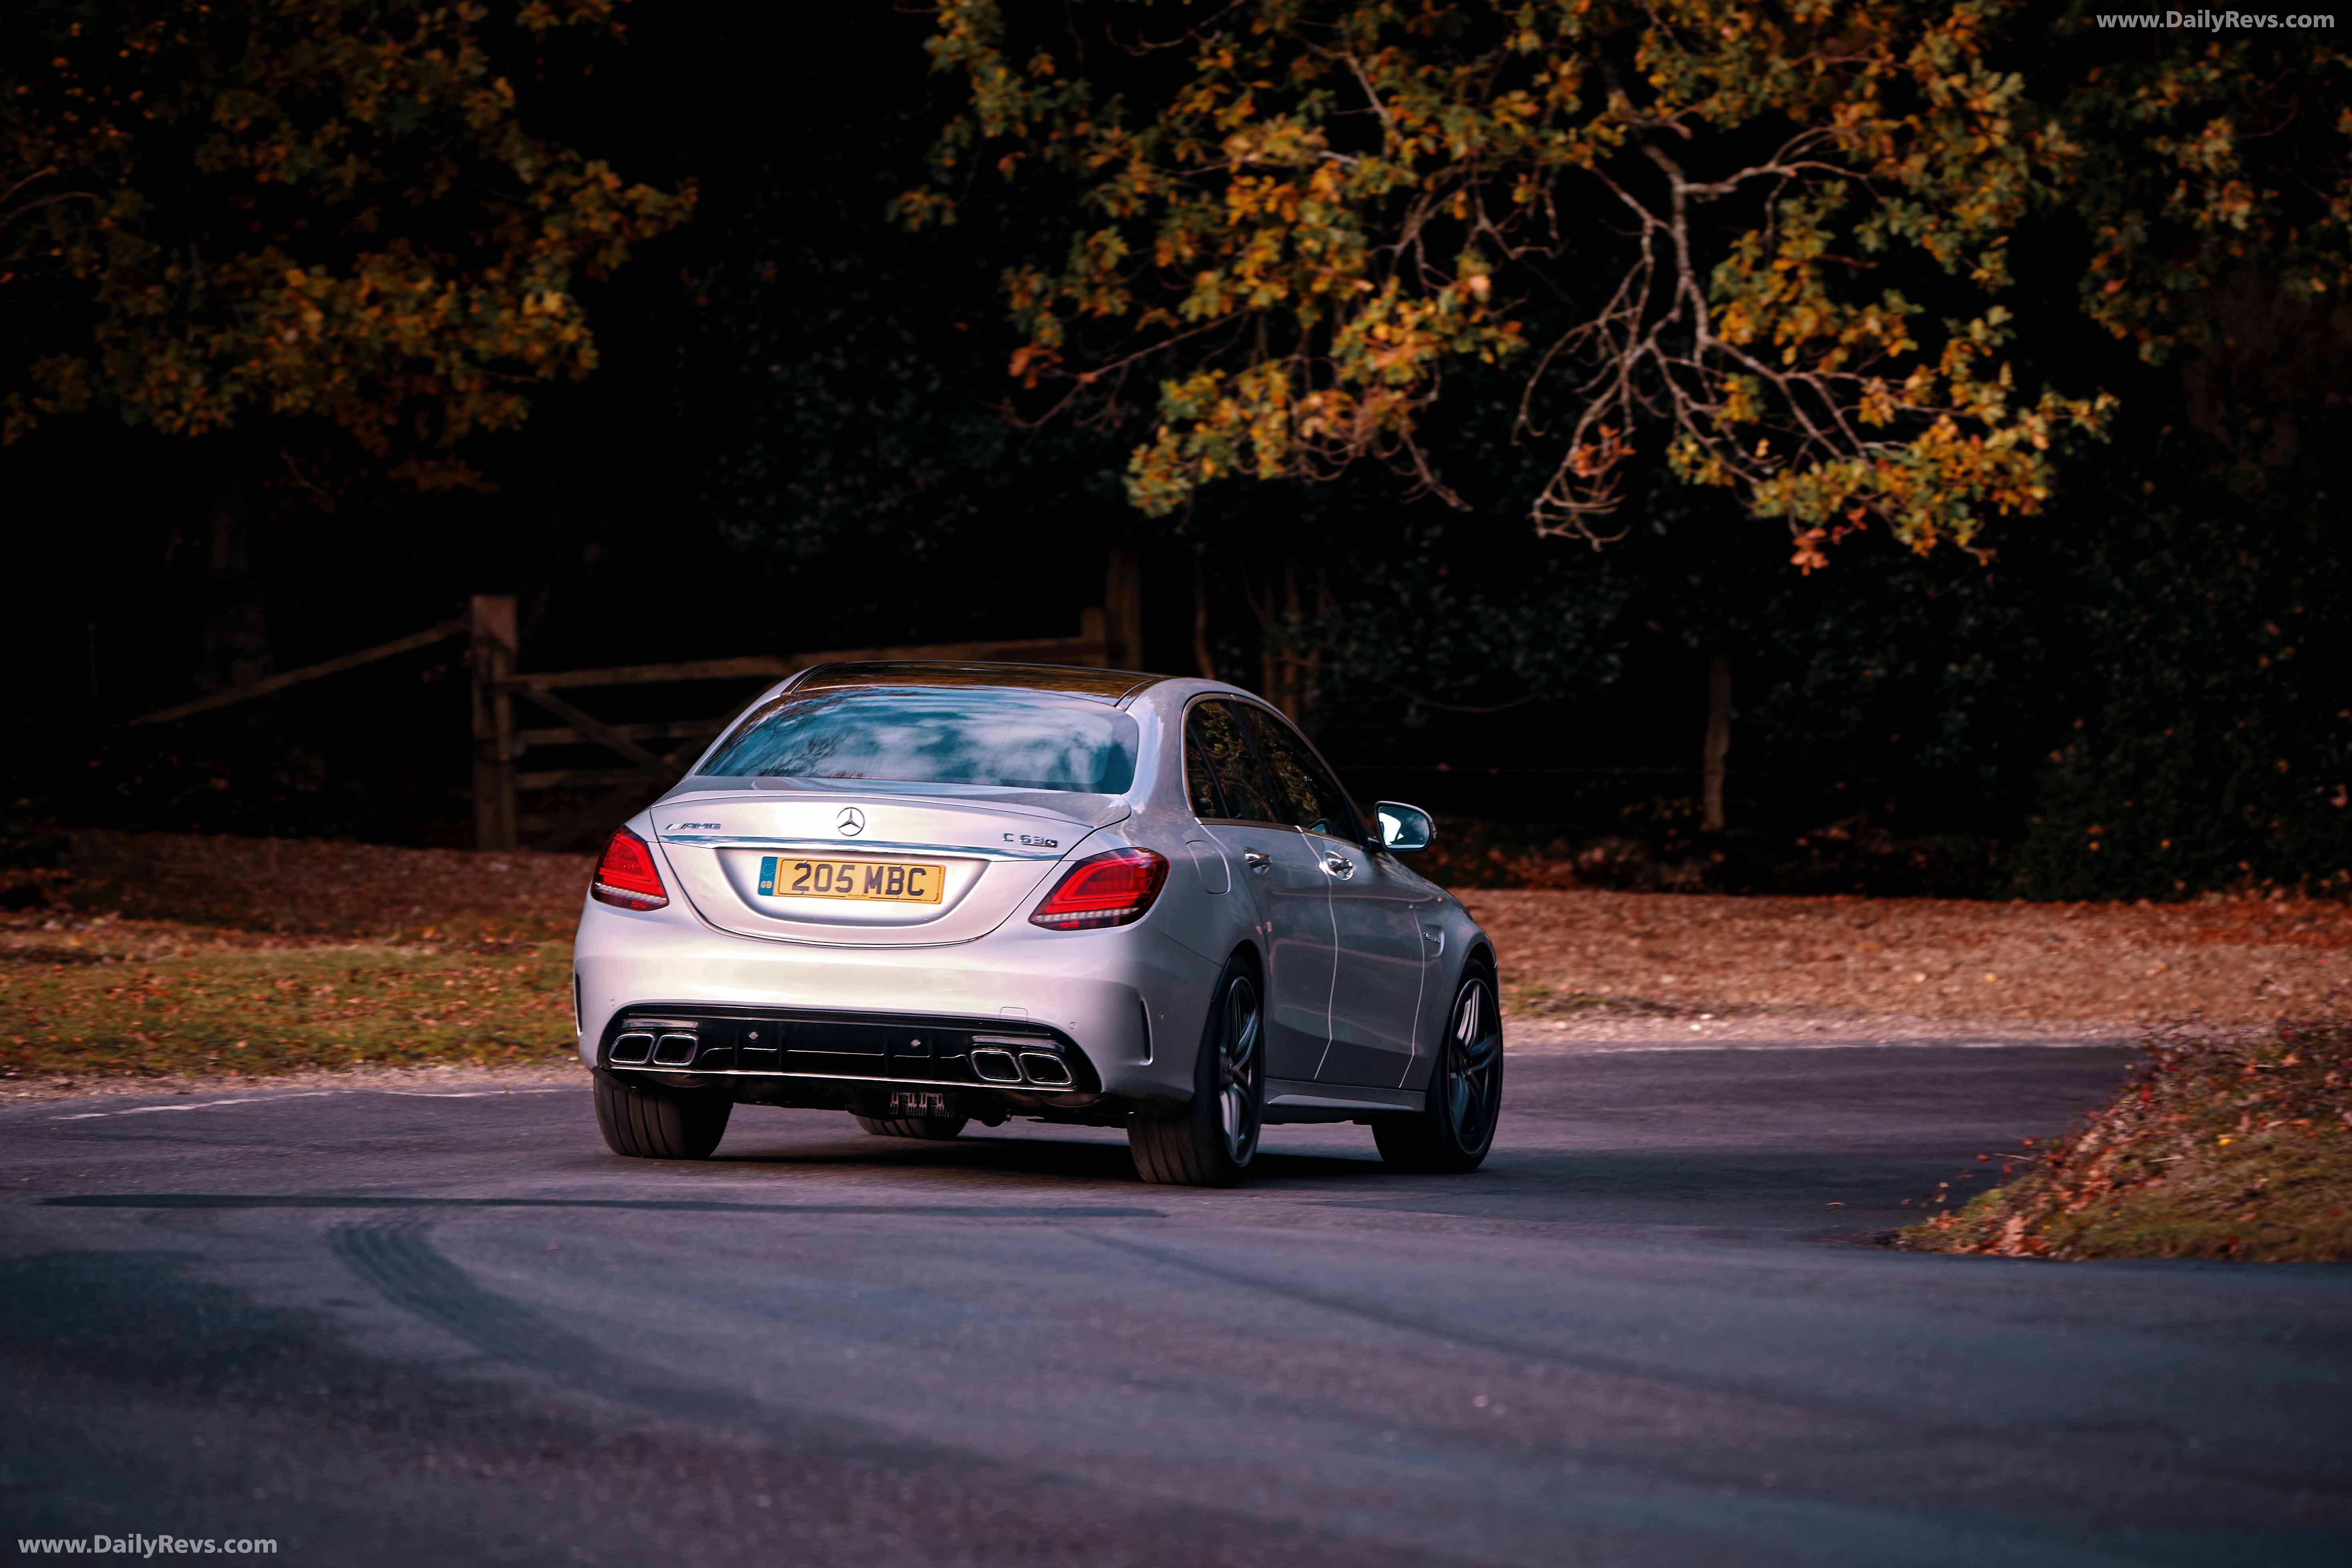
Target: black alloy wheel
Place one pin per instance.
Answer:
(1213, 1140)
(1455, 1127)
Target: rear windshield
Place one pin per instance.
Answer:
(921, 734)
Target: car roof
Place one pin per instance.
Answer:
(1113, 686)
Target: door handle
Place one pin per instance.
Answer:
(1255, 861)
(1339, 865)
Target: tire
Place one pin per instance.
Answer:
(1453, 1130)
(1213, 1140)
(939, 1129)
(649, 1121)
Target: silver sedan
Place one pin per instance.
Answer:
(932, 894)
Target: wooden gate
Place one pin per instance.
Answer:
(652, 754)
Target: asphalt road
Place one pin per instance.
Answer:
(399, 1328)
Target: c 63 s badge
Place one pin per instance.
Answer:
(1033, 842)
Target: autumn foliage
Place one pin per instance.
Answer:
(333, 215)
(1774, 242)
(2222, 1147)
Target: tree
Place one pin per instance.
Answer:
(330, 215)
(1774, 241)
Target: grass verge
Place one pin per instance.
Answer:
(171, 955)
(2224, 1148)
(200, 1007)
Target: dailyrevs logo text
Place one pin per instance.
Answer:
(144, 1546)
(2219, 21)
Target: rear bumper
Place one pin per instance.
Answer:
(908, 1049)
(1126, 1008)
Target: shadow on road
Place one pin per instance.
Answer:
(1042, 1156)
(697, 1206)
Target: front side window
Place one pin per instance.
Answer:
(1217, 750)
(1310, 796)
(923, 735)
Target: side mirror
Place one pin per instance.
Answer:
(1404, 829)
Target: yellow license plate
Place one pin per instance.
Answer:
(879, 881)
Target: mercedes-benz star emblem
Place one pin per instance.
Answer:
(851, 820)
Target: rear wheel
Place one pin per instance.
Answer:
(936, 1128)
(1455, 1127)
(654, 1122)
(1212, 1142)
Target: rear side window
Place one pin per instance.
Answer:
(1312, 799)
(1200, 779)
(921, 734)
(1217, 752)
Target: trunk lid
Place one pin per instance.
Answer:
(734, 845)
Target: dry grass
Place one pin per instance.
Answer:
(116, 998)
(180, 953)
(2224, 1147)
(314, 887)
(2235, 961)
(177, 956)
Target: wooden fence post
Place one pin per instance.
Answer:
(1091, 633)
(1718, 741)
(1123, 611)
(492, 656)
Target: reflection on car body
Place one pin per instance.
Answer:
(931, 894)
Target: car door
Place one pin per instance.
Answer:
(1384, 919)
(1379, 965)
(1283, 877)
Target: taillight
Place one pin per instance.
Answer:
(1113, 888)
(627, 876)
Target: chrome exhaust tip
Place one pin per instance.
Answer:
(1050, 1072)
(632, 1048)
(995, 1066)
(675, 1051)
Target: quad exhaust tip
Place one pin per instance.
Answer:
(1049, 1070)
(1000, 1059)
(995, 1065)
(654, 1044)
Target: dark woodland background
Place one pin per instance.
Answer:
(793, 442)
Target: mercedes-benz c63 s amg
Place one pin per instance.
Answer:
(931, 893)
